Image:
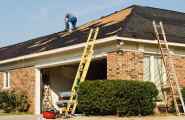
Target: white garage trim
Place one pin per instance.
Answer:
(37, 98)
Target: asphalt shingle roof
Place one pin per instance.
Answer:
(134, 21)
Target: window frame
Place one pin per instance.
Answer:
(7, 80)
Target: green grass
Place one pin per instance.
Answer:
(28, 113)
(22, 113)
(13, 113)
(3, 113)
(17, 113)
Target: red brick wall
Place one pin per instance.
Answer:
(125, 65)
(23, 79)
(179, 66)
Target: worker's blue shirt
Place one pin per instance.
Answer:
(72, 19)
(70, 15)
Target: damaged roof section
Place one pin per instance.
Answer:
(109, 26)
(134, 22)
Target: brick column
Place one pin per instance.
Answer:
(125, 65)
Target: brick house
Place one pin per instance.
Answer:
(53, 59)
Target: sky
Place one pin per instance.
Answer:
(22, 20)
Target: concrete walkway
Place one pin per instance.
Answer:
(36, 117)
(129, 118)
(20, 117)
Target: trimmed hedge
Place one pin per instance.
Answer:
(107, 97)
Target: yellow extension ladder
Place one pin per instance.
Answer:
(83, 68)
(169, 67)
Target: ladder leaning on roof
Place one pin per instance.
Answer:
(83, 67)
(169, 67)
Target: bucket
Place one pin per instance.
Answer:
(117, 114)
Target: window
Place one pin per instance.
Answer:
(153, 69)
(7, 79)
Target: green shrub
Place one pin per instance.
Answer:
(22, 101)
(179, 102)
(11, 101)
(106, 97)
(7, 101)
(183, 93)
(173, 110)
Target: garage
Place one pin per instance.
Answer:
(61, 78)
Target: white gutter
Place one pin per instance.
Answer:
(83, 45)
(149, 41)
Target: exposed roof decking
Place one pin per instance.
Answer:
(109, 26)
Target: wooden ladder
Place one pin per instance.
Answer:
(169, 67)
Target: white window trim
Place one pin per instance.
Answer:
(9, 79)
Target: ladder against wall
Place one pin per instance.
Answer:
(83, 67)
(172, 81)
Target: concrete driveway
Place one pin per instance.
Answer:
(20, 117)
(130, 118)
(35, 117)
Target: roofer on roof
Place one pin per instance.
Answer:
(72, 19)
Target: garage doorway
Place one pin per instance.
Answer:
(61, 78)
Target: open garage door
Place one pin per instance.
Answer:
(61, 78)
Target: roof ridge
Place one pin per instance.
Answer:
(108, 15)
(159, 9)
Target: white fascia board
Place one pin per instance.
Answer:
(83, 45)
(149, 41)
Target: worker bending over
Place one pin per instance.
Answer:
(72, 19)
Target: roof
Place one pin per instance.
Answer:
(134, 21)
(139, 24)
